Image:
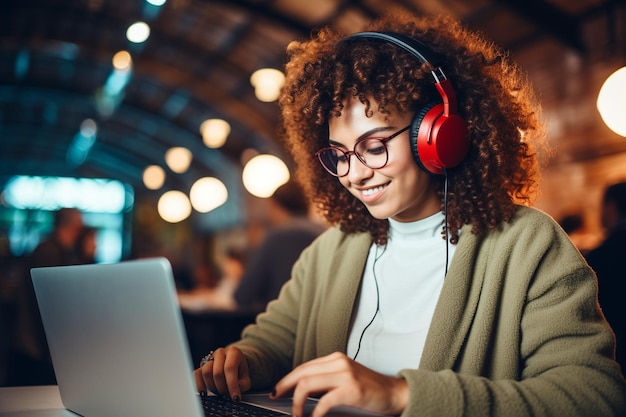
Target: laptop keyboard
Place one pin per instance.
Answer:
(222, 406)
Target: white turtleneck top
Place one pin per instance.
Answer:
(404, 278)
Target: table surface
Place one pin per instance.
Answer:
(40, 401)
(45, 401)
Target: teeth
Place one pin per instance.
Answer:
(371, 191)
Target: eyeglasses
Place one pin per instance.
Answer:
(372, 152)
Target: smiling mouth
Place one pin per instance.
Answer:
(372, 191)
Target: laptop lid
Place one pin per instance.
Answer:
(117, 339)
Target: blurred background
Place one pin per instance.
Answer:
(153, 119)
(96, 95)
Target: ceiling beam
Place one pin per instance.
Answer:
(550, 19)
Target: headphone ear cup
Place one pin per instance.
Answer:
(416, 126)
(438, 141)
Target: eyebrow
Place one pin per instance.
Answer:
(364, 135)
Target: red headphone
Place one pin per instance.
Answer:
(439, 136)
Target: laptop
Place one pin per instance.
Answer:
(118, 343)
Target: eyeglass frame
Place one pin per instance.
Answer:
(349, 153)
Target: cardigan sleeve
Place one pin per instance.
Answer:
(533, 340)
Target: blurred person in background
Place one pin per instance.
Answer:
(291, 230)
(230, 267)
(60, 247)
(30, 357)
(86, 245)
(574, 226)
(608, 261)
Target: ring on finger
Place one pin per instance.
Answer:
(208, 358)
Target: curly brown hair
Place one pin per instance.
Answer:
(494, 96)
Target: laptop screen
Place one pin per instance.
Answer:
(117, 339)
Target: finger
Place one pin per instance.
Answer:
(245, 382)
(200, 385)
(206, 375)
(236, 374)
(289, 381)
(311, 385)
(217, 371)
(334, 362)
(328, 401)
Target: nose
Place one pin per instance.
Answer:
(358, 171)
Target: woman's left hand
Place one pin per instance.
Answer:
(343, 382)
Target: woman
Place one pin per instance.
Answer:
(390, 311)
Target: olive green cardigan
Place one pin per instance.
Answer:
(516, 331)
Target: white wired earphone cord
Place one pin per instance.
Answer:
(376, 258)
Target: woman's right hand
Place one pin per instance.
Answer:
(226, 373)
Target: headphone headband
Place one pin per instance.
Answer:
(409, 44)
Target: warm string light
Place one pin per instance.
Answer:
(178, 159)
(214, 132)
(153, 177)
(174, 206)
(612, 102)
(122, 61)
(262, 174)
(207, 194)
(138, 32)
(267, 83)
